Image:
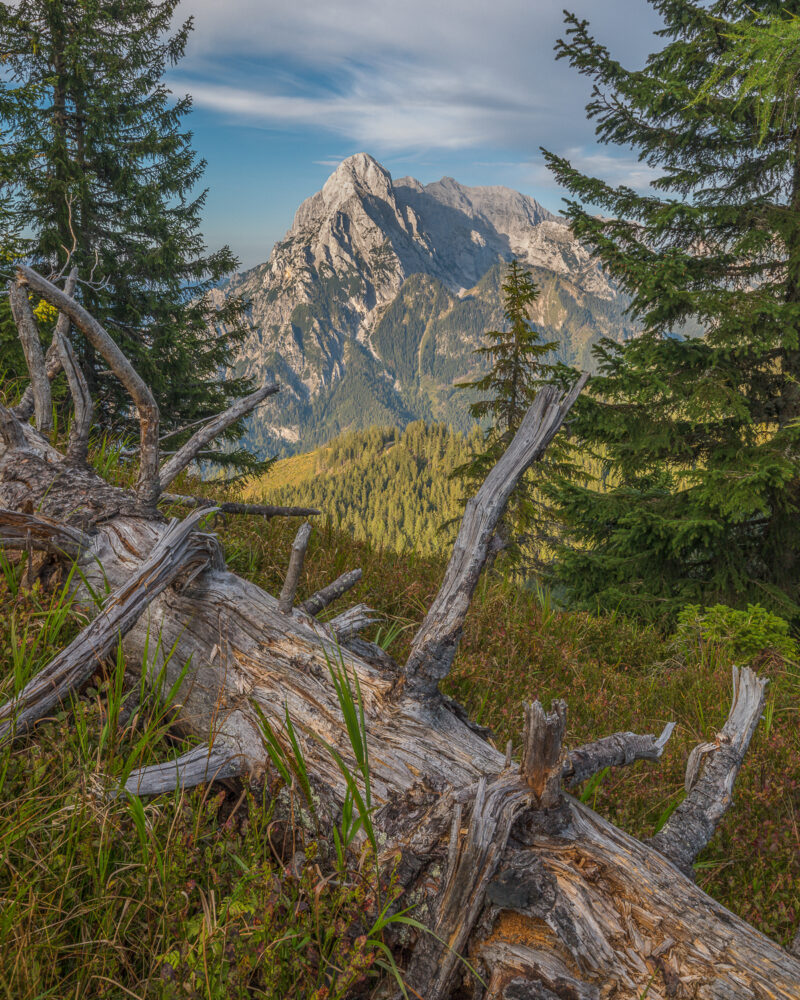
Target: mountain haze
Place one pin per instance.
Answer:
(370, 307)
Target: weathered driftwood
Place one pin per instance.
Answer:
(543, 901)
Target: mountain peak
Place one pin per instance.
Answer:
(359, 174)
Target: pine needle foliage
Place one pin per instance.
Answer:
(518, 370)
(696, 421)
(97, 166)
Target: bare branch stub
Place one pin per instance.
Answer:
(148, 485)
(331, 593)
(434, 647)
(353, 621)
(298, 554)
(542, 761)
(691, 826)
(616, 750)
(188, 452)
(28, 331)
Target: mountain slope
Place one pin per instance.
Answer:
(387, 486)
(371, 306)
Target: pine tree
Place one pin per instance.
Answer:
(96, 165)
(697, 434)
(517, 372)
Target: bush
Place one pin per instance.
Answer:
(742, 634)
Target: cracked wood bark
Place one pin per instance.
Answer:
(598, 913)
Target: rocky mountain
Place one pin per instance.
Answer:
(370, 307)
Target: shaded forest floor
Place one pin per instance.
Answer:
(201, 894)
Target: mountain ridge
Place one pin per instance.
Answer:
(371, 306)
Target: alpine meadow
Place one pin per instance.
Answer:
(414, 610)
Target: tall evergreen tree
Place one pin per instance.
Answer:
(698, 434)
(97, 166)
(518, 370)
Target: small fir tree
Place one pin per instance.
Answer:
(518, 370)
(96, 165)
(697, 436)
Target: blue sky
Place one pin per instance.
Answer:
(284, 91)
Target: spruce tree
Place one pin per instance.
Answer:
(97, 166)
(517, 372)
(695, 422)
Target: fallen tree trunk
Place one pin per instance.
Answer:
(542, 897)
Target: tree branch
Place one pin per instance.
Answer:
(188, 452)
(298, 554)
(28, 331)
(148, 484)
(78, 446)
(709, 795)
(434, 647)
(616, 750)
(178, 548)
(197, 766)
(332, 592)
(20, 531)
(52, 360)
(226, 507)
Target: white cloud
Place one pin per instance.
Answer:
(422, 74)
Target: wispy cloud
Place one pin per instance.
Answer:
(424, 74)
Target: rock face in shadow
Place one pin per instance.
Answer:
(370, 307)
